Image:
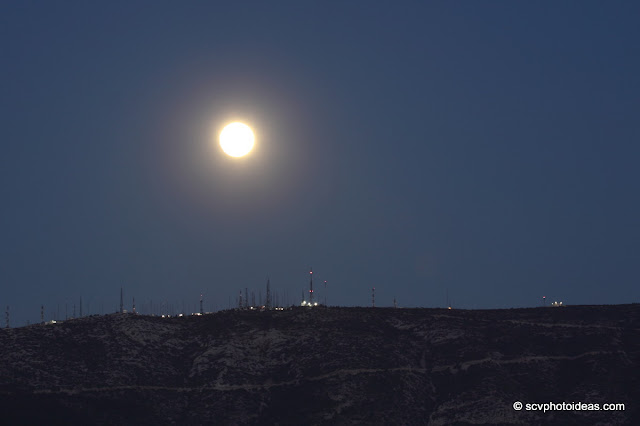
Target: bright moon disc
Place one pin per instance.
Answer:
(236, 139)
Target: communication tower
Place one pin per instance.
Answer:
(325, 292)
(311, 286)
(373, 297)
(121, 301)
(268, 301)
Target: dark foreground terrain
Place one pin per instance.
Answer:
(325, 366)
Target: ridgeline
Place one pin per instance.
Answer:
(326, 366)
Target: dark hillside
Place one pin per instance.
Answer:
(325, 366)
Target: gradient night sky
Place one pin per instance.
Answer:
(490, 148)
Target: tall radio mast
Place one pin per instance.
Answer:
(311, 286)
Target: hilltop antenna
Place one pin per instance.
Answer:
(395, 304)
(121, 302)
(201, 310)
(310, 285)
(246, 297)
(253, 298)
(7, 316)
(268, 301)
(240, 300)
(373, 297)
(42, 314)
(74, 310)
(133, 307)
(80, 306)
(325, 292)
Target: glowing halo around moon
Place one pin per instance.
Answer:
(236, 139)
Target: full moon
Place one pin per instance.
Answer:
(236, 139)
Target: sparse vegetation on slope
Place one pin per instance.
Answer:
(326, 366)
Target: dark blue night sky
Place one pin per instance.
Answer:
(487, 148)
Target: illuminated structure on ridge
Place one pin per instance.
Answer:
(310, 302)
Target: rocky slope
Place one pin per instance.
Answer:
(325, 366)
